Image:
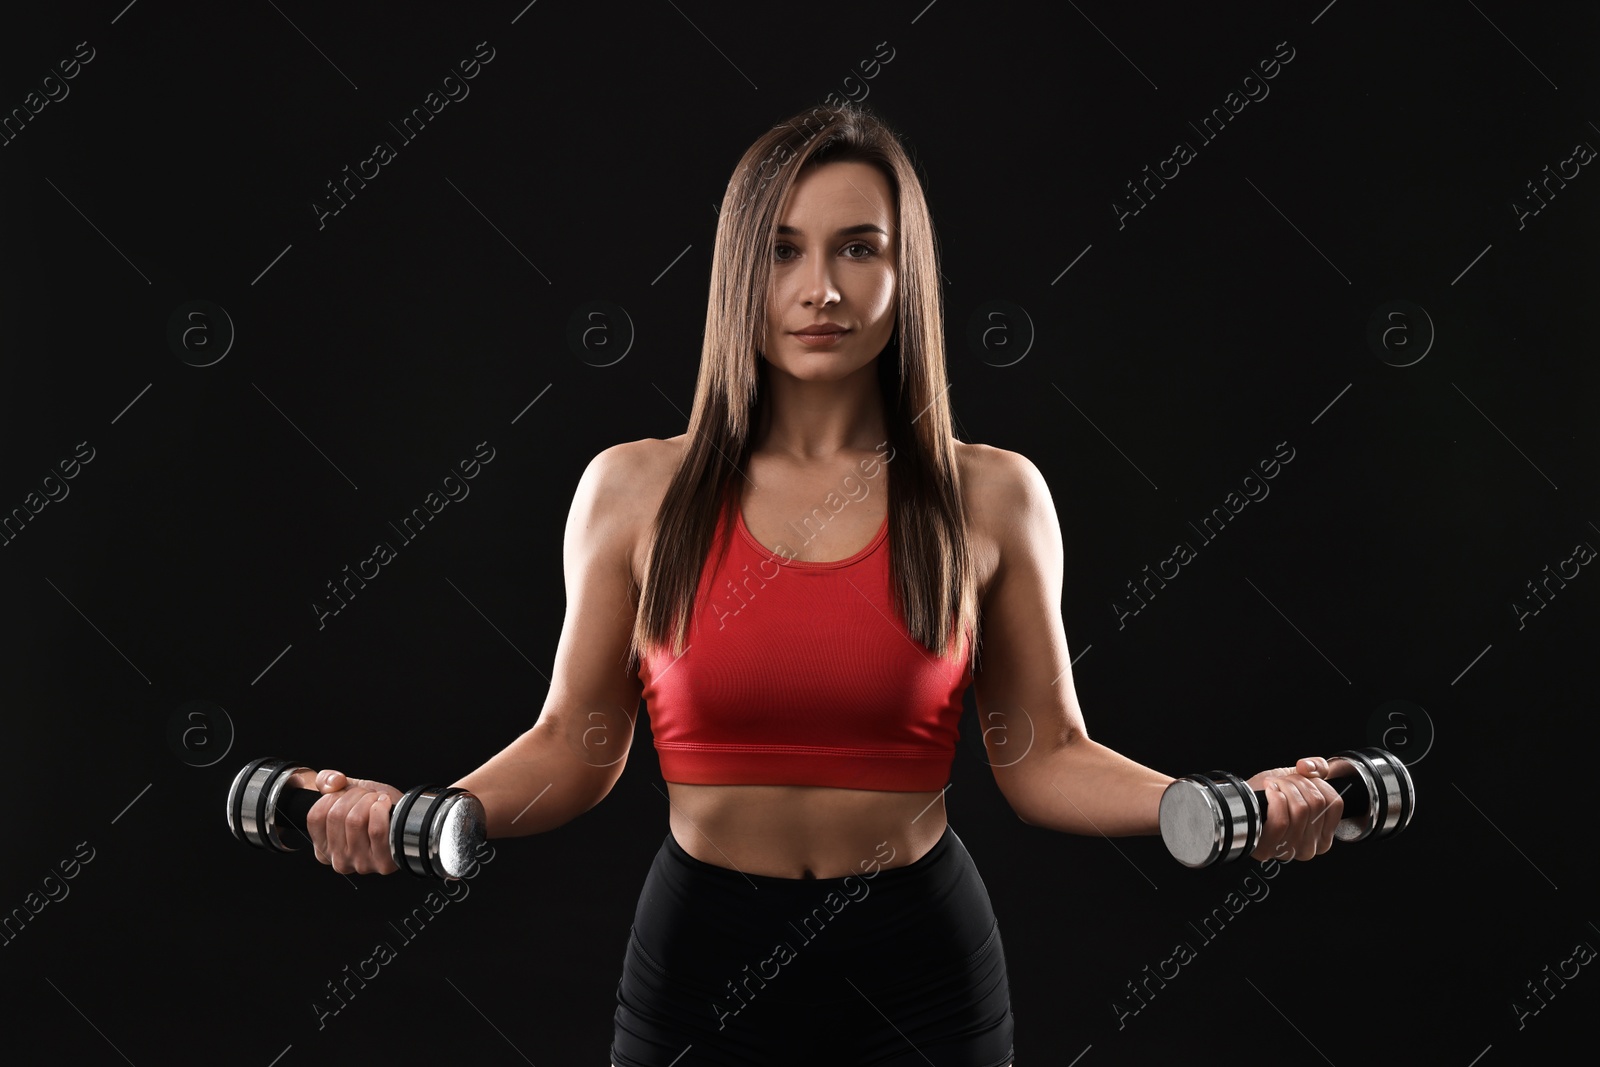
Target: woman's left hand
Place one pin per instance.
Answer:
(1302, 810)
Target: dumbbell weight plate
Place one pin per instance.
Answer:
(255, 802)
(435, 833)
(1390, 797)
(1209, 818)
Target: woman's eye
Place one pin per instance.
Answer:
(870, 251)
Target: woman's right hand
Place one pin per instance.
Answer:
(349, 823)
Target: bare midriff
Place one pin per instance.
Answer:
(804, 831)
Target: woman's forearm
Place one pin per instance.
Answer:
(538, 782)
(1083, 787)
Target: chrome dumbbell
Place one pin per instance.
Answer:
(1216, 817)
(433, 832)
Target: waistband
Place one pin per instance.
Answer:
(697, 920)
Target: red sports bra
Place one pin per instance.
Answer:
(802, 673)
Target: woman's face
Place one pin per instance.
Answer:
(833, 262)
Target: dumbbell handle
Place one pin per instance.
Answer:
(1352, 790)
(294, 806)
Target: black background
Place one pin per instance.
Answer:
(371, 354)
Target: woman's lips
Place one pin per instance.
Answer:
(820, 340)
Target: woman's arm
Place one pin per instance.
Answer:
(570, 758)
(1049, 770)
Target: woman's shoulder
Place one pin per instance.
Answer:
(638, 465)
(636, 475)
(995, 480)
(1000, 490)
(1004, 486)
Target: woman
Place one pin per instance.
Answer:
(794, 587)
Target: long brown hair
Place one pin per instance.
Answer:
(933, 574)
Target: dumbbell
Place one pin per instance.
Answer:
(433, 832)
(1216, 817)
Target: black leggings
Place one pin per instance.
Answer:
(893, 967)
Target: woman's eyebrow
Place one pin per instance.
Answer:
(860, 227)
